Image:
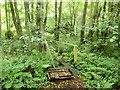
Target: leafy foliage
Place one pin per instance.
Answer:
(26, 71)
(99, 71)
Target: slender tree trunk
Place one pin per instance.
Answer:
(95, 12)
(6, 14)
(26, 4)
(91, 21)
(9, 17)
(97, 22)
(56, 31)
(104, 9)
(83, 21)
(41, 16)
(17, 16)
(38, 15)
(16, 20)
(118, 15)
(32, 10)
(28, 12)
(45, 20)
(60, 12)
(39, 21)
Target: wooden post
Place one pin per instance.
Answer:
(75, 53)
(58, 47)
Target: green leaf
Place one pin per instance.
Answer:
(45, 65)
(19, 85)
(8, 85)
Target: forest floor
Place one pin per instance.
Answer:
(75, 82)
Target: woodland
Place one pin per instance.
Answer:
(35, 35)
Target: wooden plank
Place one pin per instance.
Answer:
(63, 73)
(59, 70)
(68, 73)
(66, 77)
(56, 75)
(52, 75)
(61, 78)
(60, 74)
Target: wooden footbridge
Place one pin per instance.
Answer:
(63, 73)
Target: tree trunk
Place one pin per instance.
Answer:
(6, 14)
(104, 9)
(39, 21)
(95, 12)
(9, 17)
(26, 4)
(83, 21)
(56, 31)
(17, 16)
(38, 15)
(118, 15)
(97, 22)
(32, 10)
(45, 20)
(60, 12)
(91, 21)
(28, 12)
(16, 20)
(41, 16)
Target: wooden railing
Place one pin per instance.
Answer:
(75, 49)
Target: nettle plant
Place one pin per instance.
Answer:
(25, 71)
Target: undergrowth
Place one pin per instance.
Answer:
(22, 70)
(99, 71)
